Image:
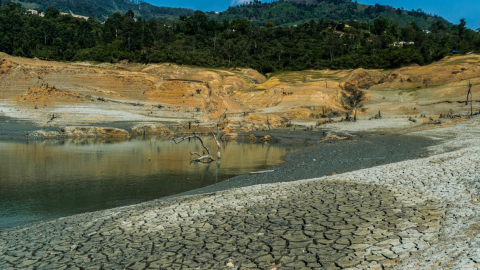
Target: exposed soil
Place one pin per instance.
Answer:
(240, 100)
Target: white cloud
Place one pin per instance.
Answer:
(238, 2)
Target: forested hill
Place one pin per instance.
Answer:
(290, 12)
(281, 12)
(200, 41)
(102, 9)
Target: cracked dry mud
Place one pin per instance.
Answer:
(319, 224)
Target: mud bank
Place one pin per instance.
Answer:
(332, 156)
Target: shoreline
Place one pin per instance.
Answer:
(409, 183)
(314, 157)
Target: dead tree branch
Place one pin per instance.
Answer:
(53, 117)
(204, 158)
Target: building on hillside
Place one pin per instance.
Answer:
(31, 11)
(401, 43)
(34, 12)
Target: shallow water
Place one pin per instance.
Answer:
(54, 178)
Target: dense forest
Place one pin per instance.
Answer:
(196, 40)
(290, 12)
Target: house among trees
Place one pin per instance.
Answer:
(31, 11)
(401, 43)
(35, 12)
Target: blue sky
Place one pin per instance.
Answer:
(452, 10)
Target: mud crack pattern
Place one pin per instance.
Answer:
(327, 224)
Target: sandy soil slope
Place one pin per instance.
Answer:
(240, 99)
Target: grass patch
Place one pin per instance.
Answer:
(304, 76)
(26, 5)
(463, 60)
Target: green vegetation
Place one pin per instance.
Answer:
(198, 41)
(289, 12)
(278, 13)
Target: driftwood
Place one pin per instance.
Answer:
(204, 158)
(260, 172)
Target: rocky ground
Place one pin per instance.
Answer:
(417, 214)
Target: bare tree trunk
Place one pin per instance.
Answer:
(469, 91)
(218, 147)
(470, 94)
(471, 104)
(355, 106)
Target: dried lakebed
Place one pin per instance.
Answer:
(373, 218)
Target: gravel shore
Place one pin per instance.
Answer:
(418, 214)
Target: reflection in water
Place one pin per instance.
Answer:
(51, 179)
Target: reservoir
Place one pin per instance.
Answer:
(47, 179)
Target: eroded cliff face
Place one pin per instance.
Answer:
(239, 100)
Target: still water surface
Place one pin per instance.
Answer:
(49, 179)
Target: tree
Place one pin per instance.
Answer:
(461, 27)
(6, 45)
(332, 44)
(269, 24)
(380, 25)
(130, 14)
(51, 13)
(438, 27)
(228, 49)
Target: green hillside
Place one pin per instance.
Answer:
(290, 12)
(281, 13)
(103, 9)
